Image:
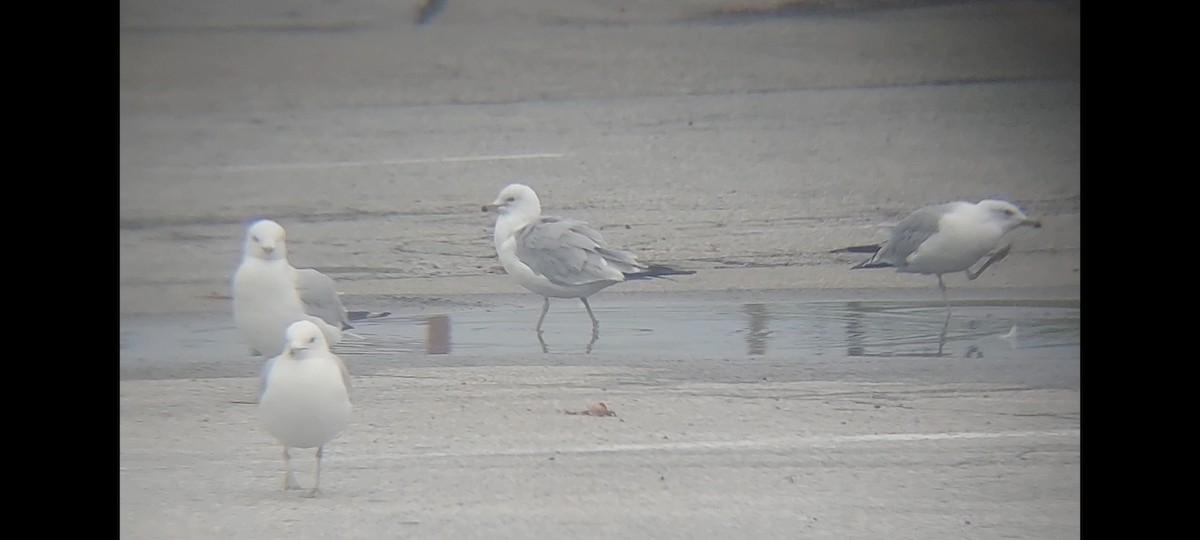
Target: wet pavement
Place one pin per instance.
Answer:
(762, 414)
(648, 326)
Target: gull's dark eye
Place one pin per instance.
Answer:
(254, 238)
(510, 199)
(1008, 211)
(312, 339)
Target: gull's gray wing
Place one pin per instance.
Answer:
(912, 231)
(266, 374)
(569, 252)
(320, 298)
(345, 372)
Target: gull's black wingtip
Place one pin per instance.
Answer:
(658, 271)
(870, 248)
(362, 315)
(873, 249)
(871, 264)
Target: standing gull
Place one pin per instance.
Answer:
(269, 294)
(559, 257)
(945, 238)
(304, 397)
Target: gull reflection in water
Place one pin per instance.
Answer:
(588, 350)
(856, 333)
(756, 337)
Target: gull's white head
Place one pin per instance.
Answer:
(516, 200)
(304, 337)
(1007, 214)
(266, 240)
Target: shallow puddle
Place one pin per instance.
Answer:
(710, 329)
(673, 329)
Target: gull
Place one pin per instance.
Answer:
(304, 397)
(945, 238)
(559, 257)
(269, 294)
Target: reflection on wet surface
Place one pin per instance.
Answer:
(437, 337)
(882, 329)
(693, 329)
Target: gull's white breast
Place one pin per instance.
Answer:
(265, 303)
(305, 403)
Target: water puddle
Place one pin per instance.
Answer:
(708, 329)
(990, 329)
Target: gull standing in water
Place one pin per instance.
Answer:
(945, 238)
(559, 257)
(269, 294)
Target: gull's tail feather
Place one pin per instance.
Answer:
(658, 271)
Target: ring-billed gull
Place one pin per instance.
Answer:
(269, 294)
(946, 238)
(304, 397)
(558, 257)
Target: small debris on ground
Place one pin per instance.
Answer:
(595, 409)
